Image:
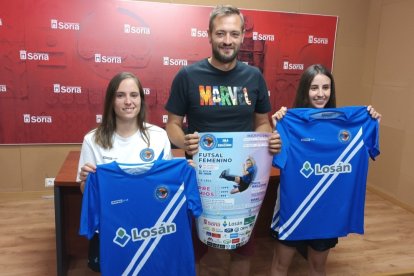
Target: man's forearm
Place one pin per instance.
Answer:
(263, 128)
(262, 123)
(176, 135)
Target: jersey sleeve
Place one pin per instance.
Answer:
(371, 138)
(89, 221)
(279, 160)
(191, 189)
(178, 100)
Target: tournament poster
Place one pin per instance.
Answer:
(233, 171)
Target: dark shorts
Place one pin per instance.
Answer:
(93, 253)
(200, 248)
(316, 244)
(243, 186)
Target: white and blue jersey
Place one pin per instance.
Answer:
(323, 171)
(143, 217)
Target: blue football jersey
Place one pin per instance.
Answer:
(323, 171)
(143, 216)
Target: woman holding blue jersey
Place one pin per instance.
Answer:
(316, 90)
(123, 136)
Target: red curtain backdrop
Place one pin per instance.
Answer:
(56, 58)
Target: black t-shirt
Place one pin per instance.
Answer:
(218, 101)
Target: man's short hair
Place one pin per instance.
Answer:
(224, 10)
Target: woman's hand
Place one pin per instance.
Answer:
(278, 115)
(191, 163)
(374, 114)
(85, 170)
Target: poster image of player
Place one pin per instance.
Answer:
(233, 171)
(243, 181)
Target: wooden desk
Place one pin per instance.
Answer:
(68, 200)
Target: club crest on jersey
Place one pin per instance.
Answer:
(147, 154)
(344, 136)
(161, 192)
(208, 142)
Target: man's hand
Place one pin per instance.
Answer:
(275, 143)
(191, 143)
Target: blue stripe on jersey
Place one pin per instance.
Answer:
(160, 221)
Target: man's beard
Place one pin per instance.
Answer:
(225, 59)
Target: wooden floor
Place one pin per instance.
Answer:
(27, 242)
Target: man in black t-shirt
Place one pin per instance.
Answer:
(220, 94)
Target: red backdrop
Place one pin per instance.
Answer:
(56, 58)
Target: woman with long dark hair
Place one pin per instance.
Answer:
(316, 90)
(123, 136)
